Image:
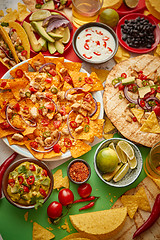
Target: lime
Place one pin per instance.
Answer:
(39, 15)
(121, 172)
(112, 146)
(110, 17)
(132, 163)
(107, 160)
(122, 156)
(131, 3)
(126, 148)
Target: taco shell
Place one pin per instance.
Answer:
(7, 40)
(22, 35)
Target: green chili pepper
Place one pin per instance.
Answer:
(120, 96)
(151, 103)
(28, 94)
(134, 89)
(145, 83)
(47, 134)
(4, 24)
(131, 105)
(120, 79)
(54, 90)
(21, 191)
(155, 87)
(115, 81)
(80, 79)
(38, 6)
(19, 48)
(86, 128)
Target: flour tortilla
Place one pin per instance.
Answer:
(115, 107)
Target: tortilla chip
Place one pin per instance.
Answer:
(22, 12)
(1, 13)
(153, 8)
(73, 66)
(142, 200)
(41, 233)
(96, 115)
(138, 113)
(112, 4)
(130, 202)
(78, 78)
(11, 16)
(97, 127)
(37, 155)
(97, 84)
(66, 86)
(79, 149)
(59, 181)
(101, 73)
(121, 55)
(23, 67)
(54, 60)
(38, 58)
(146, 13)
(108, 135)
(78, 236)
(157, 51)
(30, 4)
(151, 125)
(108, 126)
(29, 130)
(16, 85)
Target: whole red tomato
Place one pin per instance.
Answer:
(66, 196)
(156, 109)
(54, 210)
(84, 190)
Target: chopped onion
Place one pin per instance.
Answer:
(46, 64)
(26, 121)
(95, 110)
(127, 96)
(77, 88)
(53, 143)
(68, 123)
(7, 118)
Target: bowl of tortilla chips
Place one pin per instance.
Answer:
(129, 165)
(27, 183)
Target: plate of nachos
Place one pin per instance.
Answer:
(51, 109)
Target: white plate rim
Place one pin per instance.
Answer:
(23, 150)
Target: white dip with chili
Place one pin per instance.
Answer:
(95, 44)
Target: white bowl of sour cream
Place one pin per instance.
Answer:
(95, 43)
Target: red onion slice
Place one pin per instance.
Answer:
(46, 64)
(146, 107)
(117, 84)
(5, 52)
(36, 150)
(7, 118)
(127, 97)
(26, 121)
(77, 88)
(68, 124)
(95, 110)
(51, 146)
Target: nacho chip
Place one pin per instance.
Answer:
(108, 135)
(157, 51)
(108, 126)
(55, 60)
(37, 60)
(11, 16)
(22, 12)
(79, 149)
(78, 236)
(1, 13)
(112, 4)
(96, 115)
(121, 55)
(138, 113)
(78, 78)
(142, 200)
(16, 85)
(131, 203)
(101, 73)
(41, 233)
(23, 67)
(73, 66)
(151, 125)
(65, 182)
(153, 8)
(59, 181)
(12, 141)
(97, 84)
(37, 155)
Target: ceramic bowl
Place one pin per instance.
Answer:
(14, 165)
(131, 175)
(109, 33)
(71, 164)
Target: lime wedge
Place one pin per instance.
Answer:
(109, 176)
(112, 146)
(121, 172)
(121, 154)
(39, 15)
(132, 163)
(126, 148)
(131, 3)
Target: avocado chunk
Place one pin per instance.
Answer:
(55, 36)
(41, 30)
(143, 91)
(36, 46)
(66, 35)
(15, 189)
(45, 182)
(51, 48)
(128, 80)
(59, 47)
(43, 43)
(158, 95)
(48, 5)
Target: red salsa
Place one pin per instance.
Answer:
(78, 171)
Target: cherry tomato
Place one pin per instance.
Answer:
(52, 72)
(20, 179)
(84, 190)
(66, 196)
(17, 107)
(73, 124)
(54, 210)
(62, 111)
(156, 109)
(48, 80)
(57, 148)
(24, 53)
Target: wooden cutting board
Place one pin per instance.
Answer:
(152, 188)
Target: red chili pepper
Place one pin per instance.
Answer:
(142, 103)
(105, 38)
(88, 97)
(158, 89)
(86, 120)
(17, 107)
(26, 189)
(3, 84)
(97, 43)
(91, 204)
(30, 180)
(32, 167)
(42, 192)
(152, 91)
(20, 179)
(68, 79)
(86, 46)
(44, 172)
(19, 73)
(124, 75)
(88, 80)
(11, 182)
(73, 124)
(86, 199)
(48, 80)
(67, 142)
(152, 218)
(24, 53)
(97, 53)
(110, 49)
(32, 89)
(134, 119)
(105, 44)
(84, 55)
(3, 168)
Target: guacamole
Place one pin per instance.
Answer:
(28, 184)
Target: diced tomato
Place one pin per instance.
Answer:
(49, 95)
(45, 122)
(142, 76)
(124, 75)
(26, 189)
(57, 148)
(17, 107)
(32, 89)
(24, 53)
(121, 86)
(57, 124)
(4, 125)
(11, 182)
(73, 124)
(20, 179)
(68, 79)
(19, 73)
(156, 109)
(3, 84)
(42, 192)
(158, 89)
(40, 111)
(52, 72)
(44, 172)
(30, 180)
(88, 80)
(50, 106)
(134, 119)
(63, 111)
(48, 80)
(67, 142)
(26, 108)
(88, 97)
(34, 144)
(32, 167)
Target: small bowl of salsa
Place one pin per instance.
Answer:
(27, 183)
(95, 43)
(78, 171)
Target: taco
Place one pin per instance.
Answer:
(132, 99)
(8, 54)
(19, 40)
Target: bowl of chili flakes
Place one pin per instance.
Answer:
(78, 171)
